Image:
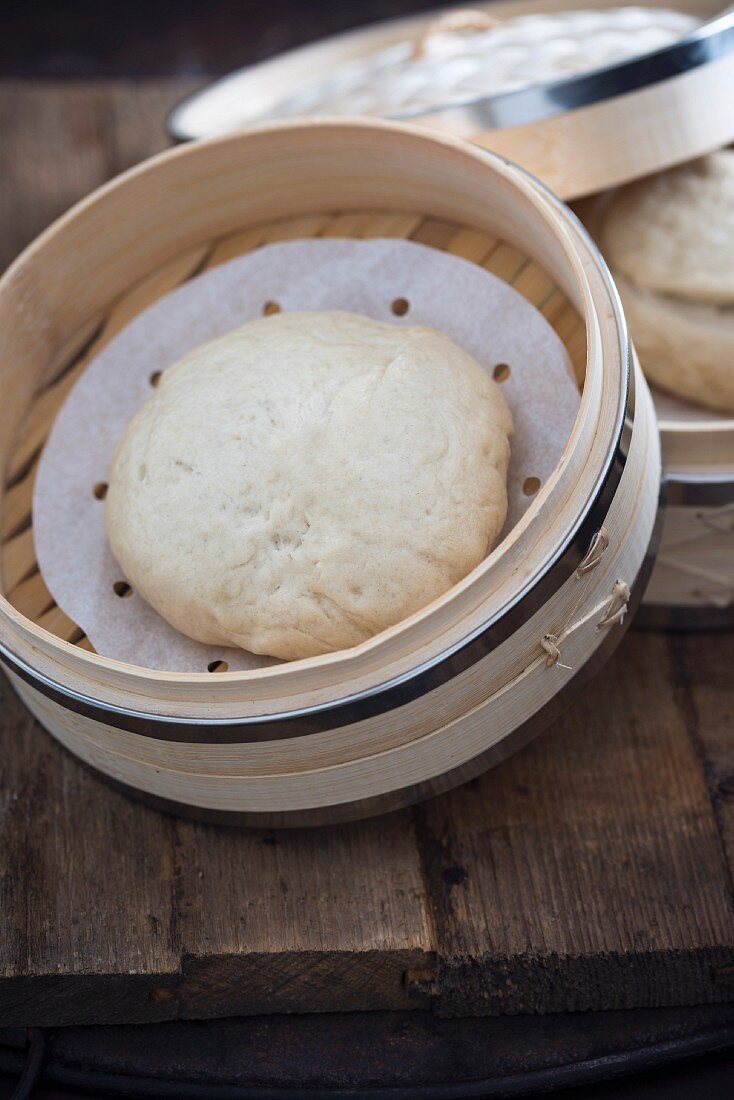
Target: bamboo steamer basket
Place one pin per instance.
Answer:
(692, 584)
(437, 698)
(581, 136)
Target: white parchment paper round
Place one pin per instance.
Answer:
(479, 312)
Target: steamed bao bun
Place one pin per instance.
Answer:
(669, 241)
(308, 480)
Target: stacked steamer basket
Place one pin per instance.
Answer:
(435, 699)
(581, 134)
(692, 585)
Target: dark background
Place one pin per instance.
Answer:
(89, 39)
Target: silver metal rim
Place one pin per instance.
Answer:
(426, 677)
(699, 491)
(538, 102)
(351, 709)
(391, 801)
(388, 696)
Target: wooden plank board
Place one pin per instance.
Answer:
(704, 693)
(588, 867)
(113, 912)
(592, 870)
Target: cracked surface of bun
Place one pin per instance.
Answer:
(308, 480)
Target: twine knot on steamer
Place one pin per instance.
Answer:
(594, 554)
(617, 609)
(549, 645)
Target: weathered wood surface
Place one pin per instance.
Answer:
(592, 870)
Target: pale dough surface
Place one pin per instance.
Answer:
(669, 241)
(308, 480)
(674, 233)
(685, 348)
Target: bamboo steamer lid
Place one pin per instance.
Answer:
(582, 135)
(624, 115)
(437, 698)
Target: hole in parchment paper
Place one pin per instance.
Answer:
(271, 307)
(530, 486)
(501, 372)
(122, 589)
(217, 666)
(155, 377)
(400, 307)
(100, 490)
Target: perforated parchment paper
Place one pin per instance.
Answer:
(475, 309)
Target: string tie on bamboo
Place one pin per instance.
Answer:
(617, 609)
(549, 645)
(594, 554)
